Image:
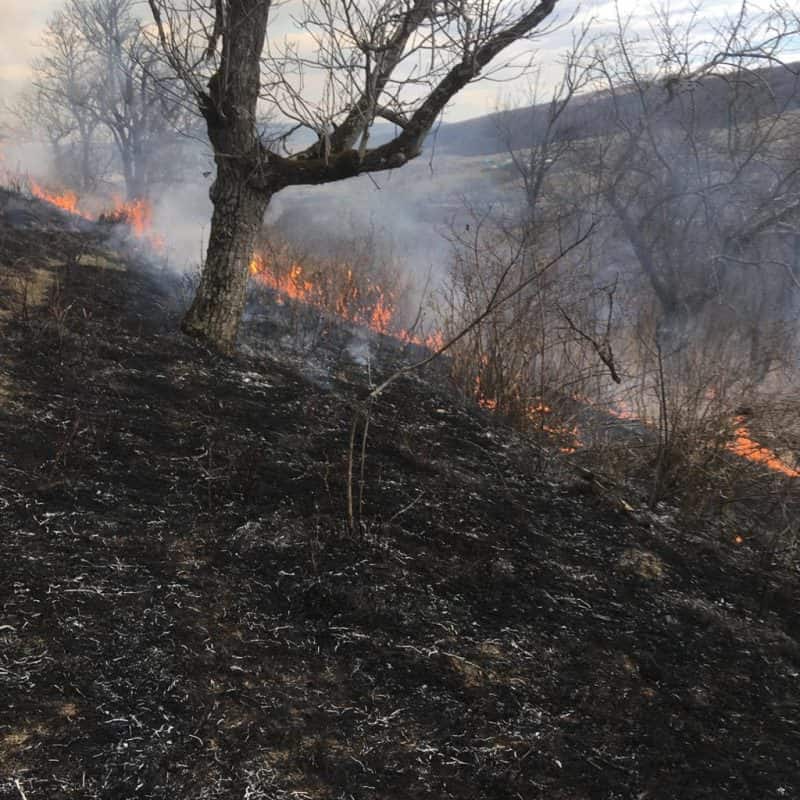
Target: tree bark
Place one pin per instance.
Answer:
(229, 109)
(219, 303)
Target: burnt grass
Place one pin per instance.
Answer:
(185, 614)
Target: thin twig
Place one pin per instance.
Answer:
(495, 301)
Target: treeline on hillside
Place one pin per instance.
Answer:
(771, 89)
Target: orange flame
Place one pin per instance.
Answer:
(137, 214)
(537, 412)
(482, 400)
(622, 410)
(434, 341)
(381, 316)
(370, 306)
(293, 285)
(66, 201)
(746, 447)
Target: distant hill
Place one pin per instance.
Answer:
(769, 90)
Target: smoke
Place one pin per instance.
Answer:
(359, 348)
(182, 216)
(21, 158)
(410, 209)
(407, 211)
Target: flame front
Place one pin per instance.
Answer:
(375, 309)
(136, 214)
(622, 410)
(66, 200)
(746, 447)
(359, 303)
(381, 316)
(293, 285)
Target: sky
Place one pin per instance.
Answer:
(22, 26)
(24, 20)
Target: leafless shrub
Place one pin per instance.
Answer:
(696, 432)
(523, 361)
(682, 308)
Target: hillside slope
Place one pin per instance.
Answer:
(592, 114)
(183, 613)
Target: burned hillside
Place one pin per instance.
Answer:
(185, 614)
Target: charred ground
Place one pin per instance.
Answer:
(183, 613)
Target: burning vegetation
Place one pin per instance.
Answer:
(558, 561)
(366, 293)
(137, 214)
(66, 200)
(358, 284)
(746, 447)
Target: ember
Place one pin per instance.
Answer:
(567, 433)
(536, 412)
(482, 400)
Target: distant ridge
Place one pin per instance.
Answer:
(772, 88)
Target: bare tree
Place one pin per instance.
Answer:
(58, 101)
(101, 88)
(699, 168)
(133, 97)
(554, 340)
(397, 60)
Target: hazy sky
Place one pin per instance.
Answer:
(22, 26)
(23, 21)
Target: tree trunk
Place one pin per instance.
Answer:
(87, 182)
(229, 109)
(127, 172)
(219, 303)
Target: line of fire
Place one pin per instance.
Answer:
(374, 309)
